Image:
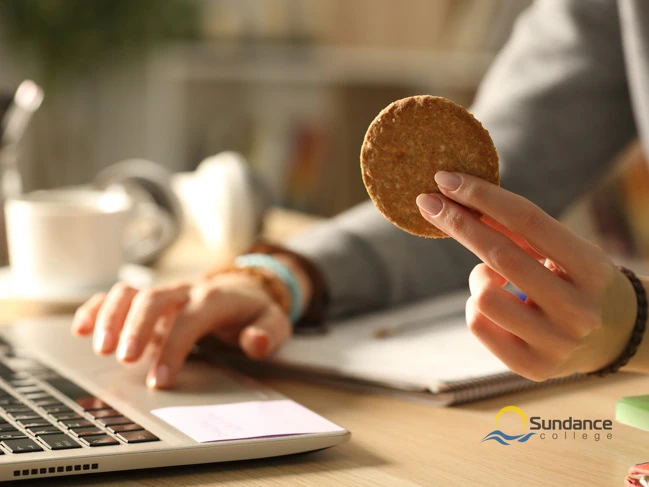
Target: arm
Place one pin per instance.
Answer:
(556, 104)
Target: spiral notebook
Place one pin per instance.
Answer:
(424, 349)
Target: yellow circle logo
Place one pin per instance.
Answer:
(504, 438)
(513, 409)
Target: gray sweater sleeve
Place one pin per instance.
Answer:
(556, 104)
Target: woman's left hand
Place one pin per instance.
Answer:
(580, 308)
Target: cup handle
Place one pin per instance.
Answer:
(150, 231)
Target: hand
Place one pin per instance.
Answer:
(580, 308)
(233, 307)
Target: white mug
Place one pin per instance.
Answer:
(72, 239)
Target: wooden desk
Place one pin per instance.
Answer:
(403, 443)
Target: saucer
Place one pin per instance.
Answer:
(134, 275)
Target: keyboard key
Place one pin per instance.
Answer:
(30, 390)
(44, 430)
(38, 395)
(24, 445)
(26, 416)
(57, 409)
(105, 413)
(7, 427)
(59, 442)
(12, 434)
(137, 436)
(92, 430)
(21, 375)
(9, 401)
(48, 402)
(76, 423)
(103, 440)
(17, 409)
(5, 372)
(118, 428)
(35, 424)
(115, 420)
(92, 403)
(67, 416)
(76, 393)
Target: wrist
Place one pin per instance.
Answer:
(270, 265)
(304, 283)
(640, 361)
(311, 285)
(260, 280)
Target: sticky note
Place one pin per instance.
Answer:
(253, 419)
(634, 411)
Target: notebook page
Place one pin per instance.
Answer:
(434, 348)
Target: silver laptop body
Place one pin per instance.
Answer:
(51, 381)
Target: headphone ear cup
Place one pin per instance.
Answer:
(148, 183)
(231, 203)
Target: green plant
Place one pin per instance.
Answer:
(71, 37)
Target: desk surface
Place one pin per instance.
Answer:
(399, 442)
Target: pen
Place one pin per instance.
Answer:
(412, 325)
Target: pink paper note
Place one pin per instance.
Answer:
(252, 419)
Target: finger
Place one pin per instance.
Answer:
(180, 341)
(145, 311)
(266, 334)
(510, 313)
(521, 216)
(111, 316)
(84, 318)
(501, 254)
(161, 332)
(517, 239)
(510, 349)
(482, 276)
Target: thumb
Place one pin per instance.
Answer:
(265, 334)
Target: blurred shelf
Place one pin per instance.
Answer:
(298, 112)
(324, 65)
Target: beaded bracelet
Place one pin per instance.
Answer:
(271, 283)
(272, 264)
(312, 321)
(638, 330)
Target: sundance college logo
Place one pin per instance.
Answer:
(551, 429)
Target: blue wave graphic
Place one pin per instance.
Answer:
(496, 438)
(503, 438)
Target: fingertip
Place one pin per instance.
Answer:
(160, 377)
(255, 343)
(429, 204)
(81, 328)
(128, 350)
(104, 341)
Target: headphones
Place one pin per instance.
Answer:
(222, 199)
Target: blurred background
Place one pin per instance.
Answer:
(290, 84)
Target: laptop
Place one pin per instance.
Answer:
(66, 411)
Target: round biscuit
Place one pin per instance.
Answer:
(411, 140)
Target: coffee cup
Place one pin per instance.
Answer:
(77, 239)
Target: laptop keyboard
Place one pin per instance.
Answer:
(33, 418)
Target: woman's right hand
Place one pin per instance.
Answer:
(235, 308)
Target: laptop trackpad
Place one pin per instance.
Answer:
(199, 383)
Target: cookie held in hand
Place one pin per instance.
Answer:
(410, 141)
